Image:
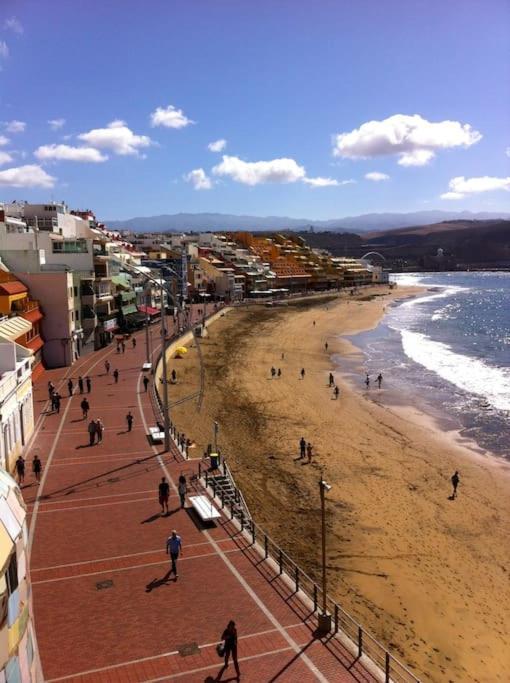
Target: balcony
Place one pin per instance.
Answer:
(24, 305)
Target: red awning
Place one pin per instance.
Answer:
(148, 310)
(13, 287)
(34, 344)
(32, 316)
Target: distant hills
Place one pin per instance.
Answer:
(369, 222)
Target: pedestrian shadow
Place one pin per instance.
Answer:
(152, 518)
(80, 419)
(156, 583)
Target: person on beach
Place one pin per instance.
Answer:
(283, 356)
(174, 549)
(326, 346)
(455, 482)
(80, 384)
(164, 494)
(273, 372)
(107, 366)
(367, 381)
(36, 468)
(336, 392)
(309, 451)
(279, 373)
(302, 373)
(133, 343)
(70, 387)
(92, 430)
(99, 430)
(331, 379)
(145, 383)
(20, 469)
(88, 382)
(379, 380)
(314, 323)
(229, 638)
(116, 376)
(174, 376)
(85, 407)
(129, 420)
(182, 488)
(302, 447)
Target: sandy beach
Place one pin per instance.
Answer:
(428, 576)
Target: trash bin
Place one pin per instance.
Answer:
(215, 460)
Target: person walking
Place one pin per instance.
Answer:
(133, 343)
(107, 367)
(182, 488)
(85, 407)
(163, 494)
(88, 382)
(80, 384)
(336, 391)
(99, 430)
(302, 373)
(229, 638)
(174, 549)
(331, 380)
(36, 468)
(51, 390)
(309, 451)
(92, 430)
(273, 372)
(20, 469)
(116, 376)
(145, 382)
(279, 373)
(455, 482)
(379, 380)
(56, 401)
(123, 346)
(367, 381)
(70, 387)
(302, 447)
(129, 420)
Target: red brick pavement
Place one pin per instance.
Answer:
(95, 518)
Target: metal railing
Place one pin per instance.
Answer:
(363, 643)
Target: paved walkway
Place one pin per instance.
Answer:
(104, 610)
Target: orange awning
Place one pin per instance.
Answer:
(33, 316)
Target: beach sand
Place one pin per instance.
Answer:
(426, 575)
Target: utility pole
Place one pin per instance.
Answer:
(166, 416)
(324, 625)
(147, 318)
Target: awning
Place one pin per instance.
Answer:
(129, 309)
(13, 287)
(35, 344)
(148, 310)
(136, 318)
(32, 316)
(12, 328)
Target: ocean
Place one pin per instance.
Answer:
(448, 353)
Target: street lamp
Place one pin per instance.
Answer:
(216, 429)
(324, 624)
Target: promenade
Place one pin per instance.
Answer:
(103, 609)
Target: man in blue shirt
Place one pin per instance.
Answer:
(174, 549)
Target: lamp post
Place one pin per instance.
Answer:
(324, 624)
(216, 429)
(166, 417)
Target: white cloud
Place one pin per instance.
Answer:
(170, 117)
(3, 140)
(326, 182)
(508, 151)
(199, 179)
(67, 153)
(116, 137)
(460, 186)
(5, 158)
(217, 145)
(15, 126)
(4, 49)
(14, 25)
(256, 172)
(413, 138)
(376, 176)
(26, 176)
(55, 124)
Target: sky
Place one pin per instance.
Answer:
(303, 108)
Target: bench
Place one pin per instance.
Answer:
(156, 435)
(146, 366)
(204, 507)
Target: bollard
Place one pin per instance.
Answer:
(252, 532)
(314, 597)
(387, 668)
(266, 548)
(360, 641)
(242, 520)
(296, 578)
(336, 619)
(280, 560)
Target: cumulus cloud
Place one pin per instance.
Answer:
(14, 25)
(4, 49)
(170, 117)
(257, 172)
(376, 176)
(217, 145)
(15, 126)
(414, 139)
(56, 124)
(5, 158)
(116, 137)
(461, 187)
(199, 179)
(326, 182)
(3, 140)
(26, 176)
(68, 153)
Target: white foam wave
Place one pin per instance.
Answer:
(470, 374)
(442, 294)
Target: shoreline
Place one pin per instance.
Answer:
(402, 558)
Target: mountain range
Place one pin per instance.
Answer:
(202, 222)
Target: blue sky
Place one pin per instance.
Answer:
(323, 92)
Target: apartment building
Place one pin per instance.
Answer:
(16, 402)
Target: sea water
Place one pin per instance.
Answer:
(447, 351)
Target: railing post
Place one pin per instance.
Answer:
(253, 532)
(336, 618)
(387, 668)
(199, 469)
(222, 499)
(266, 547)
(315, 599)
(280, 560)
(242, 520)
(296, 578)
(231, 511)
(206, 479)
(224, 468)
(360, 641)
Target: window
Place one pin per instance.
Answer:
(12, 574)
(77, 314)
(76, 292)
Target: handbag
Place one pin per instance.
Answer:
(220, 649)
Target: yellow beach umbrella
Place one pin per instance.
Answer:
(180, 351)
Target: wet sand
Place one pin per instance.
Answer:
(428, 576)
